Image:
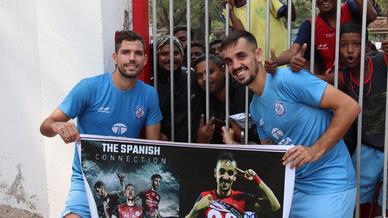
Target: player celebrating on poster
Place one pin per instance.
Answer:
(150, 198)
(129, 209)
(226, 202)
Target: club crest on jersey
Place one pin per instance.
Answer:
(139, 112)
(279, 108)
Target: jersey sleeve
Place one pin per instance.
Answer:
(304, 33)
(278, 7)
(154, 115)
(351, 8)
(256, 116)
(77, 99)
(304, 87)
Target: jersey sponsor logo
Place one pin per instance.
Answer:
(279, 108)
(103, 110)
(277, 133)
(261, 122)
(323, 46)
(139, 112)
(329, 35)
(119, 128)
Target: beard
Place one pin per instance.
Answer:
(251, 77)
(126, 74)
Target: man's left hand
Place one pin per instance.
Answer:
(300, 155)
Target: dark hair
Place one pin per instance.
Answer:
(225, 156)
(234, 36)
(219, 61)
(179, 28)
(154, 176)
(215, 41)
(99, 184)
(126, 35)
(351, 27)
(129, 184)
(197, 44)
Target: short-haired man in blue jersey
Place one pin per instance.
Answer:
(302, 110)
(110, 104)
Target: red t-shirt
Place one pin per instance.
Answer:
(125, 211)
(233, 206)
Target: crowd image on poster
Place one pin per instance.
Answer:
(142, 178)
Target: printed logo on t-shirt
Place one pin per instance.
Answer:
(279, 108)
(103, 110)
(261, 122)
(119, 128)
(277, 133)
(139, 112)
(323, 46)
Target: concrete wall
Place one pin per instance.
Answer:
(47, 46)
(22, 161)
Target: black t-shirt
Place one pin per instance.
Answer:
(373, 112)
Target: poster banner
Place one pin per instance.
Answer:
(141, 178)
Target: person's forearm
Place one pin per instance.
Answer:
(236, 22)
(339, 125)
(270, 196)
(46, 127)
(285, 56)
(370, 11)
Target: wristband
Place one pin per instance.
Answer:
(257, 180)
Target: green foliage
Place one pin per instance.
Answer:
(382, 7)
(197, 16)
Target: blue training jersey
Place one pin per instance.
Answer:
(288, 113)
(103, 109)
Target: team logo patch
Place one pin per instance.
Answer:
(137, 213)
(279, 108)
(139, 113)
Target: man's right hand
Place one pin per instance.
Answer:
(67, 130)
(203, 203)
(298, 62)
(205, 131)
(271, 64)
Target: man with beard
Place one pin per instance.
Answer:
(110, 104)
(373, 113)
(129, 209)
(226, 202)
(179, 92)
(312, 117)
(150, 198)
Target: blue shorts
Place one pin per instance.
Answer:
(339, 204)
(372, 168)
(77, 200)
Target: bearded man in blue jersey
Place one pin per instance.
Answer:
(297, 109)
